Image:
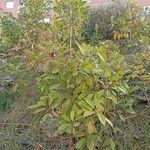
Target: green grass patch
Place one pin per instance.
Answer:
(5, 101)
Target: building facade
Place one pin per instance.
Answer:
(11, 6)
(14, 5)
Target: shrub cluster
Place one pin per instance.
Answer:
(88, 88)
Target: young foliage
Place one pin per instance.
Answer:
(10, 33)
(86, 90)
(85, 86)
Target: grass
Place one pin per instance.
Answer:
(19, 128)
(5, 101)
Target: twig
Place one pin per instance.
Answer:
(16, 124)
(144, 114)
(143, 98)
(69, 139)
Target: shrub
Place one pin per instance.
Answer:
(45, 40)
(131, 30)
(10, 30)
(92, 86)
(121, 22)
(98, 26)
(83, 85)
(141, 67)
(86, 87)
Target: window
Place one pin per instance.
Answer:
(46, 20)
(9, 4)
(21, 5)
(20, 2)
(88, 1)
(146, 10)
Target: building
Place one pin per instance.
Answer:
(11, 6)
(14, 5)
(146, 6)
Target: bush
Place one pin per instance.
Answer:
(98, 26)
(10, 31)
(88, 88)
(141, 67)
(121, 22)
(91, 87)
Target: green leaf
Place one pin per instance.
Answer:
(55, 99)
(101, 57)
(43, 87)
(84, 48)
(91, 128)
(109, 122)
(90, 96)
(55, 70)
(75, 73)
(56, 103)
(85, 106)
(64, 126)
(80, 144)
(82, 95)
(83, 87)
(112, 144)
(44, 118)
(122, 89)
(89, 81)
(54, 87)
(78, 81)
(102, 53)
(96, 138)
(39, 104)
(88, 113)
(113, 98)
(102, 118)
(122, 117)
(97, 98)
(65, 118)
(39, 110)
(72, 115)
(131, 111)
(90, 144)
(88, 66)
(119, 130)
(76, 124)
(90, 103)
